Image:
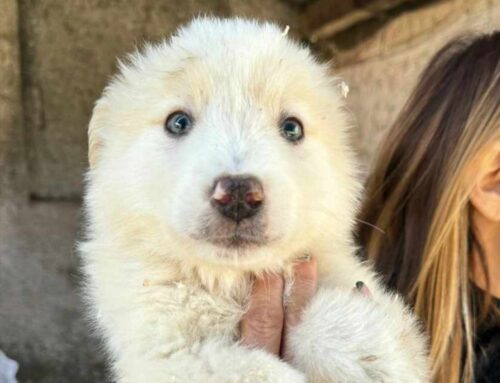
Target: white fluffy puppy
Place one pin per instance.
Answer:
(217, 155)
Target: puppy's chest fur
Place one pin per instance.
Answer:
(168, 303)
(197, 311)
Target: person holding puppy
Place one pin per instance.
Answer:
(430, 221)
(434, 198)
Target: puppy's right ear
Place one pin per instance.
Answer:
(96, 126)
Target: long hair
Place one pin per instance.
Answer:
(417, 197)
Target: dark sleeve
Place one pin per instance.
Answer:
(488, 357)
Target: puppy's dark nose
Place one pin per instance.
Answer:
(238, 197)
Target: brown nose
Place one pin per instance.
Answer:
(238, 197)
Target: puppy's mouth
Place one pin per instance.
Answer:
(228, 234)
(237, 240)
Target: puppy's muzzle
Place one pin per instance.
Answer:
(237, 197)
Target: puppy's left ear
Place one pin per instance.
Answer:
(96, 125)
(485, 196)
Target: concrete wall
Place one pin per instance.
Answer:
(55, 57)
(12, 143)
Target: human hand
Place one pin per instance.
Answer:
(267, 322)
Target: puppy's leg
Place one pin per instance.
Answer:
(209, 362)
(348, 336)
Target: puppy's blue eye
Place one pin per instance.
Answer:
(178, 123)
(292, 129)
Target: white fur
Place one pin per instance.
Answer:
(166, 299)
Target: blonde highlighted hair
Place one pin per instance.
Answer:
(418, 198)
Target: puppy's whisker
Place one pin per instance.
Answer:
(370, 225)
(324, 210)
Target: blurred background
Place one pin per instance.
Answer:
(55, 58)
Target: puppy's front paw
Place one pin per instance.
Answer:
(350, 336)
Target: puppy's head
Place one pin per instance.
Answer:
(227, 143)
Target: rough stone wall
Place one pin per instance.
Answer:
(382, 69)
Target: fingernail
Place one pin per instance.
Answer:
(304, 258)
(363, 289)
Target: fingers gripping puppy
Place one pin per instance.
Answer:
(215, 156)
